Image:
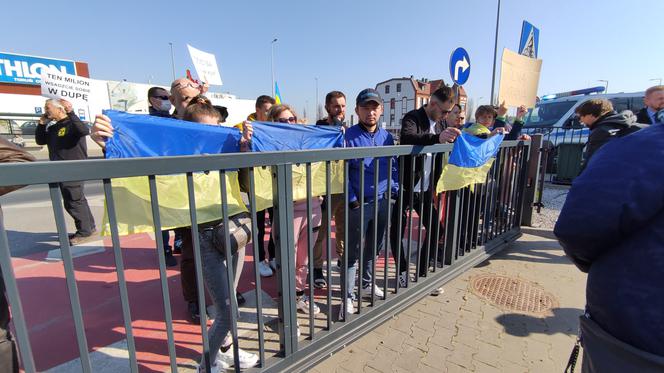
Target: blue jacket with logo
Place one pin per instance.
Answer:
(357, 136)
(612, 226)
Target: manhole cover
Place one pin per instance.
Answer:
(513, 294)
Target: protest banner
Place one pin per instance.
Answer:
(73, 88)
(519, 78)
(206, 66)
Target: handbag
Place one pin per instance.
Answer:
(239, 231)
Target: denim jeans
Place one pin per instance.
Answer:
(216, 279)
(354, 244)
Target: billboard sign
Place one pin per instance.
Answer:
(20, 69)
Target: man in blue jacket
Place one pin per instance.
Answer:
(612, 227)
(369, 107)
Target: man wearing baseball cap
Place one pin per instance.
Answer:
(369, 107)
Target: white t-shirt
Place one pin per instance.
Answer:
(428, 158)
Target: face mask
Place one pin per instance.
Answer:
(165, 105)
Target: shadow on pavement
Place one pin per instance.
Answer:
(562, 320)
(544, 233)
(22, 244)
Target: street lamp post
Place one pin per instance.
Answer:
(272, 62)
(317, 113)
(495, 55)
(606, 87)
(172, 60)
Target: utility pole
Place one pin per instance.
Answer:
(172, 61)
(317, 111)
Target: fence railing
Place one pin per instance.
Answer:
(464, 228)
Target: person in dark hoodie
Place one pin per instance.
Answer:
(604, 123)
(612, 227)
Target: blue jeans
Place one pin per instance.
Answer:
(216, 279)
(353, 244)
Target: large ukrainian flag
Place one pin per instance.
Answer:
(470, 161)
(269, 136)
(149, 136)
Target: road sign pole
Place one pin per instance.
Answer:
(495, 55)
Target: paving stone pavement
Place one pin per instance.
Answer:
(460, 332)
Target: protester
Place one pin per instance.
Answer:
(214, 265)
(9, 153)
(160, 106)
(223, 113)
(604, 123)
(266, 267)
(367, 133)
(335, 105)
(286, 114)
(65, 140)
(423, 127)
(456, 118)
(183, 91)
(612, 227)
(654, 101)
(485, 118)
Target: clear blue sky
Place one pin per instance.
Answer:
(348, 45)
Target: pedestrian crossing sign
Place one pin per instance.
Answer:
(529, 40)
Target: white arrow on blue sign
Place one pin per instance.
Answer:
(460, 66)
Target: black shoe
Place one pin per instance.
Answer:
(78, 238)
(194, 312)
(319, 279)
(339, 263)
(240, 298)
(170, 260)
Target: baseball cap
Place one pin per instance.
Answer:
(367, 95)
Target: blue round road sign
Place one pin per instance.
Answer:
(460, 66)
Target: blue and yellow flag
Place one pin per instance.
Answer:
(281, 137)
(277, 95)
(149, 136)
(470, 161)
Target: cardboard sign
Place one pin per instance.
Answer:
(206, 66)
(73, 88)
(519, 79)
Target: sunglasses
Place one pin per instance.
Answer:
(161, 97)
(187, 85)
(287, 120)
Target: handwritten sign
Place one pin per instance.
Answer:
(73, 88)
(206, 66)
(519, 79)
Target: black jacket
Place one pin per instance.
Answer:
(65, 139)
(643, 117)
(415, 128)
(606, 128)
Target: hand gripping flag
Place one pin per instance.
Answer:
(149, 136)
(469, 163)
(269, 137)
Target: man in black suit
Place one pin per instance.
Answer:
(423, 127)
(654, 101)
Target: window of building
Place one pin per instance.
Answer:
(392, 103)
(404, 105)
(392, 120)
(387, 88)
(398, 87)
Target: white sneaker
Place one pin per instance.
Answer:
(264, 269)
(273, 264)
(438, 291)
(217, 366)
(366, 291)
(403, 279)
(349, 309)
(247, 359)
(303, 305)
(299, 333)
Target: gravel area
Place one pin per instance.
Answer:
(553, 199)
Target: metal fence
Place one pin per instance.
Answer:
(471, 224)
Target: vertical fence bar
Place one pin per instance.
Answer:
(200, 290)
(374, 247)
(431, 188)
(310, 252)
(410, 219)
(438, 216)
(282, 197)
(122, 282)
(344, 265)
(18, 317)
(398, 249)
(361, 242)
(420, 218)
(534, 157)
(256, 247)
(68, 263)
(525, 173)
(328, 240)
(388, 227)
(163, 277)
(229, 270)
